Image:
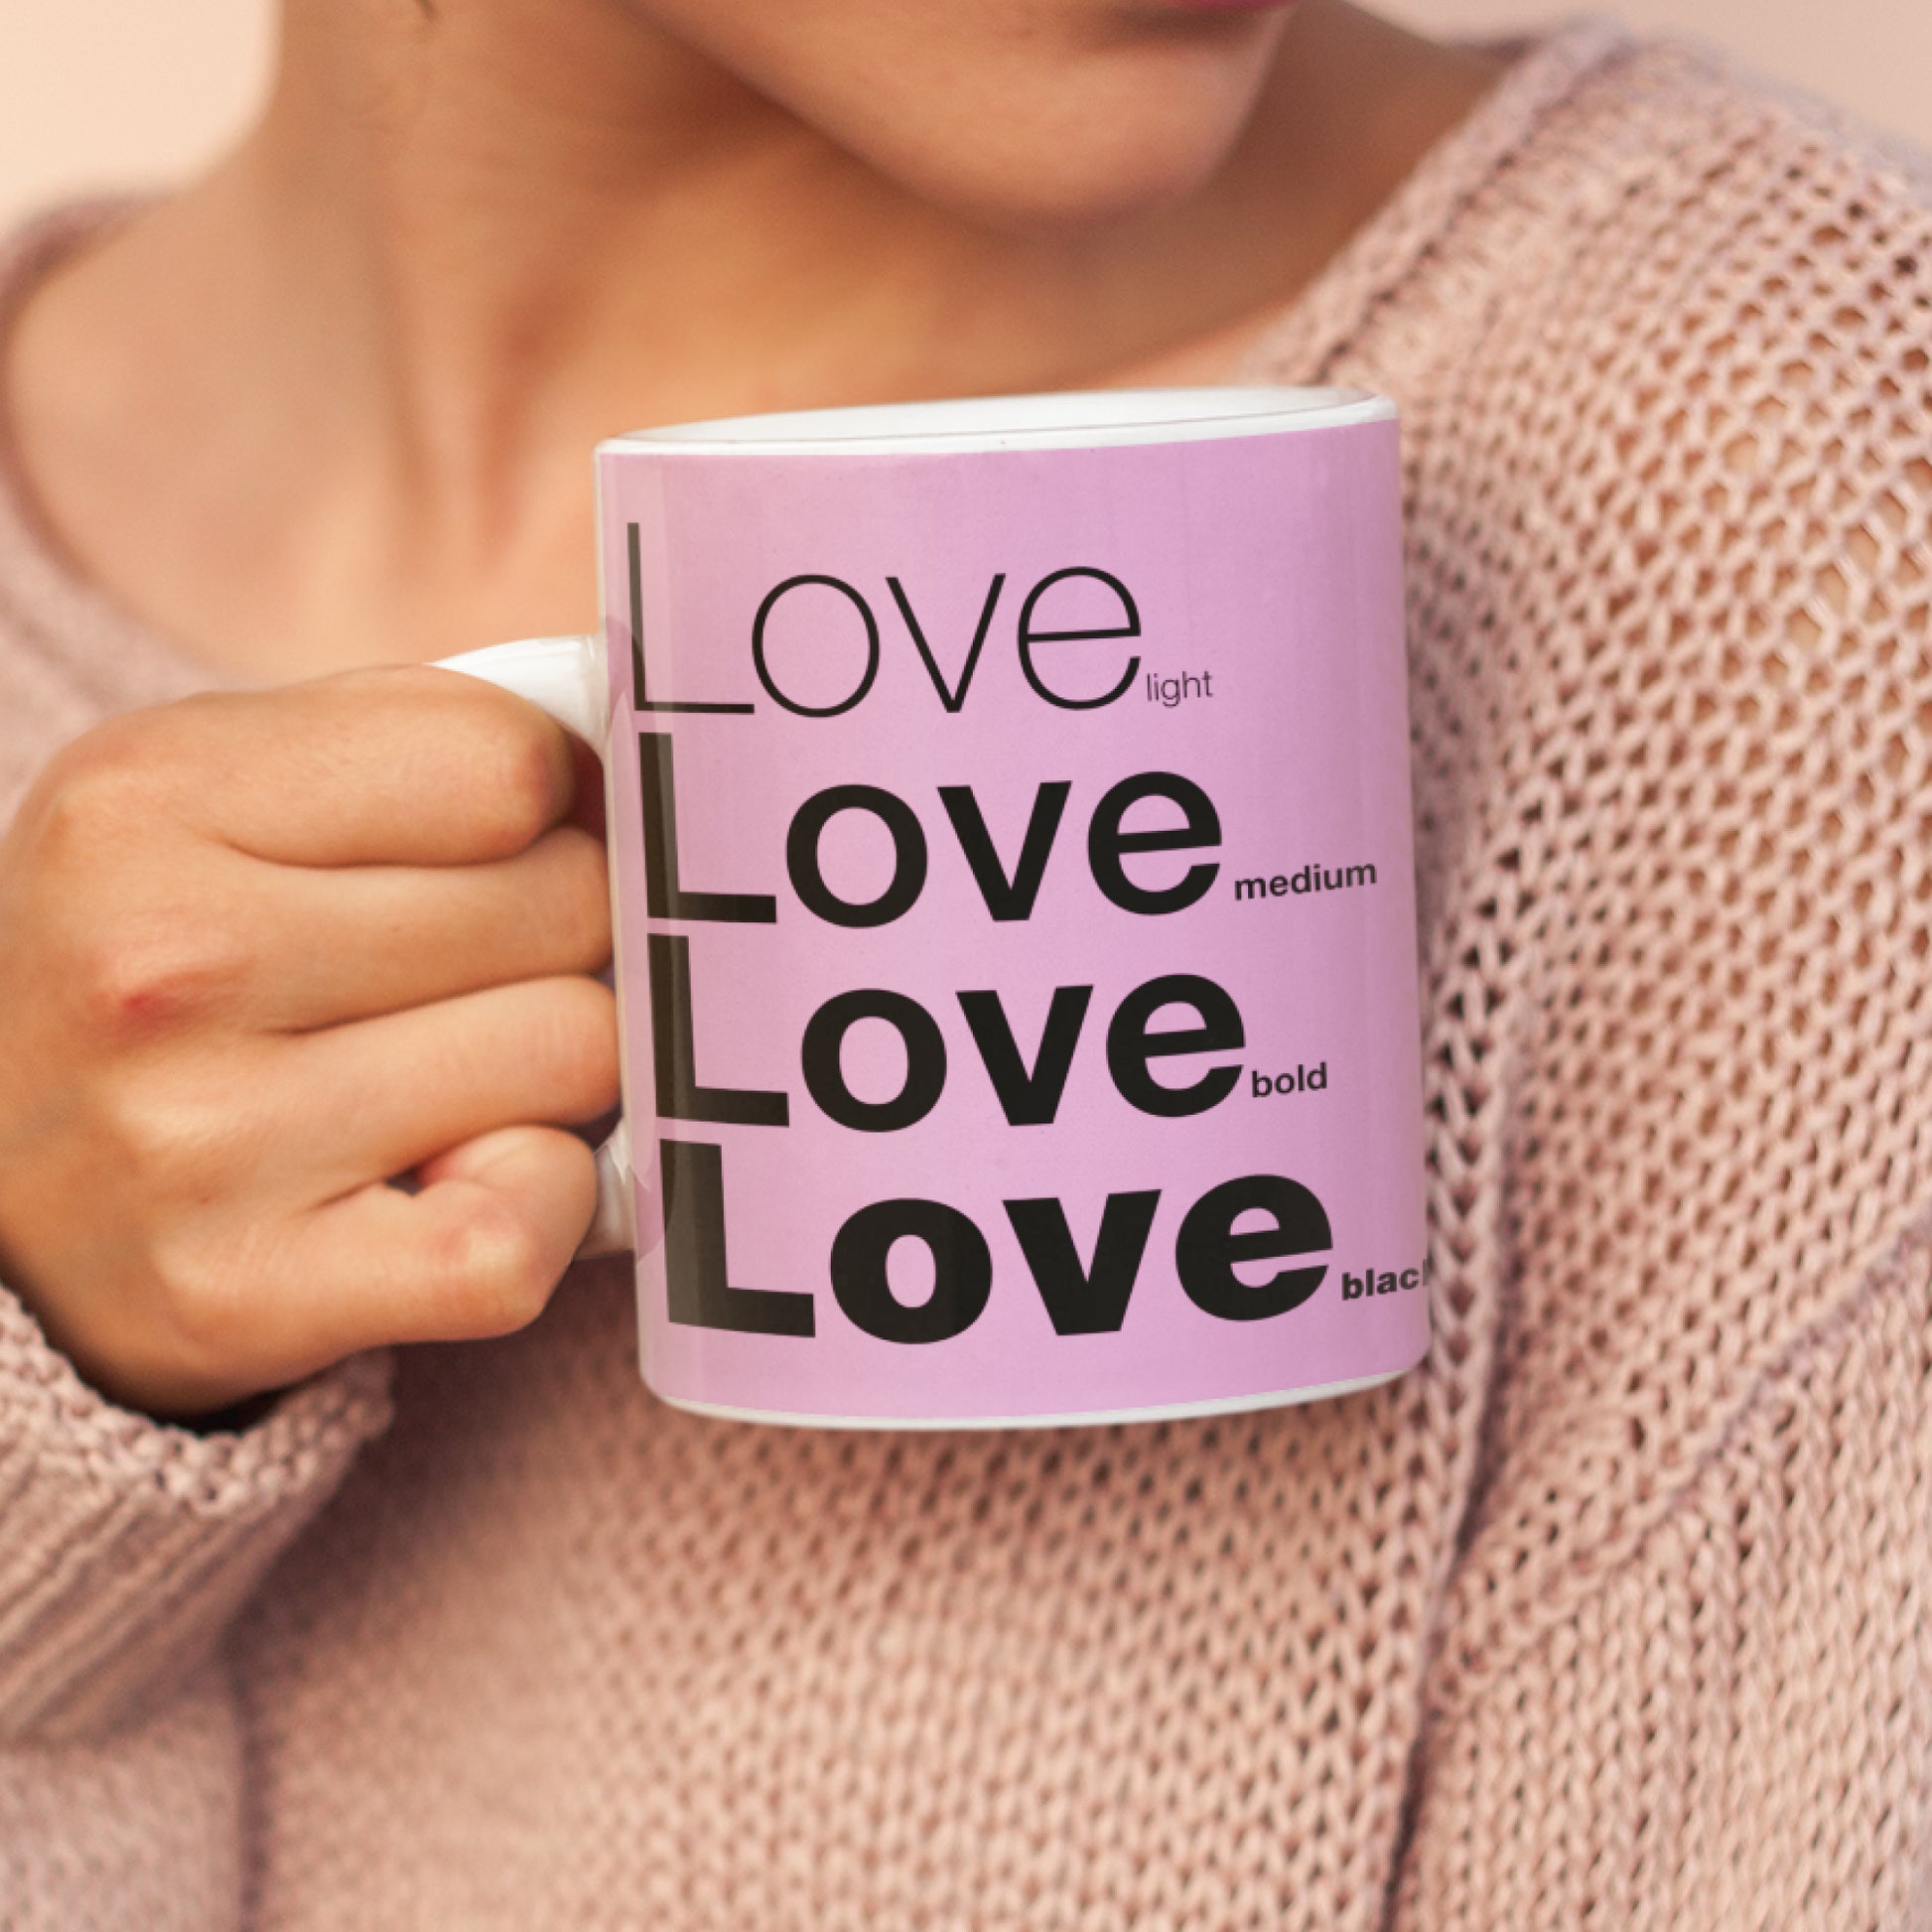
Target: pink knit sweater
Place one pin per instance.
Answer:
(1619, 1612)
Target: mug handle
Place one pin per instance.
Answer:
(566, 677)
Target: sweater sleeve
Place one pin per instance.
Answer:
(142, 1829)
(126, 1545)
(1731, 1724)
(1681, 1671)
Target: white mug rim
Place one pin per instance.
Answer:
(1062, 420)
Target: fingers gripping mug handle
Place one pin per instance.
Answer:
(565, 677)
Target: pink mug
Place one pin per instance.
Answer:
(1011, 875)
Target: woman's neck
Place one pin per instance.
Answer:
(334, 403)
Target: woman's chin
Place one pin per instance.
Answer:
(1093, 174)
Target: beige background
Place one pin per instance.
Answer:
(108, 93)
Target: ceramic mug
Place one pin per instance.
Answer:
(1012, 881)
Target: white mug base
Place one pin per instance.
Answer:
(1235, 1405)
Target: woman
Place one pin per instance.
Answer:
(1614, 1607)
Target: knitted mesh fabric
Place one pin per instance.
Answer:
(1616, 1611)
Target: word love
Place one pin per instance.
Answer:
(1082, 1294)
(850, 617)
(1028, 1094)
(1008, 893)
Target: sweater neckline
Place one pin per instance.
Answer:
(1384, 254)
(114, 657)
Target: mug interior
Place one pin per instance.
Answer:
(1073, 419)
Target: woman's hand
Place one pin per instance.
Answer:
(260, 954)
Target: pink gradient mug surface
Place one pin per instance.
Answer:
(1013, 885)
